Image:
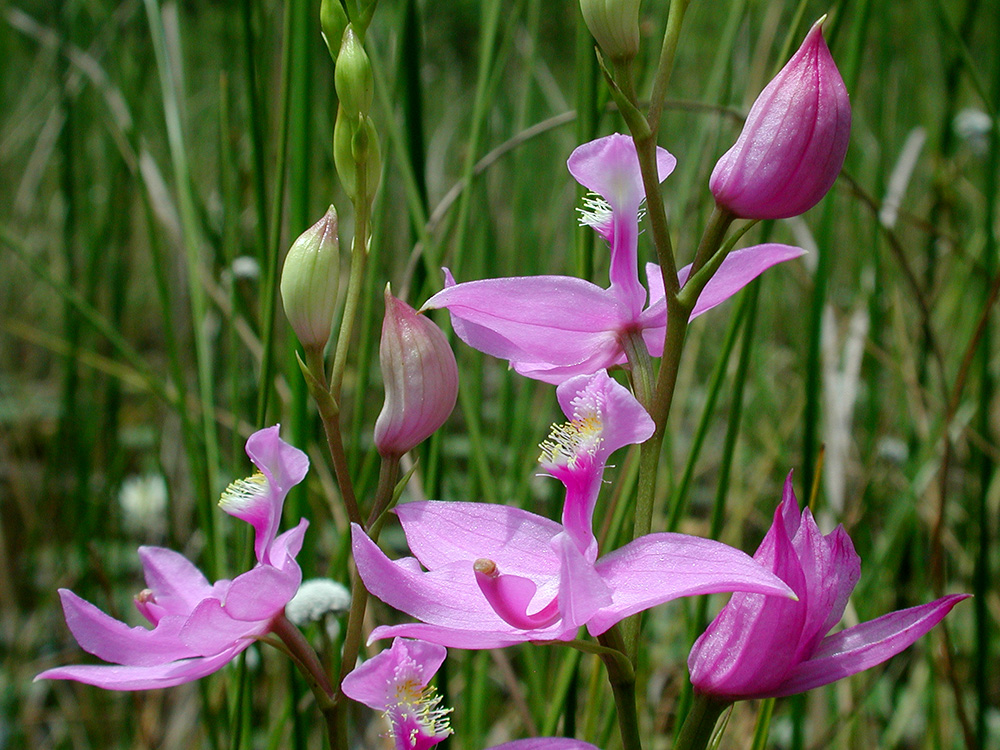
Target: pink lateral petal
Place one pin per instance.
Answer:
(442, 532)
(174, 580)
(211, 630)
(448, 596)
(261, 593)
(866, 645)
(114, 641)
(557, 320)
(166, 675)
(657, 568)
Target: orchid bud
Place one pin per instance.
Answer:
(615, 26)
(332, 21)
(794, 141)
(420, 376)
(309, 281)
(353, 76)
(355, 142)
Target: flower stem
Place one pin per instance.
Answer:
(311, 668)
(621, 676)
(700, 723)
(329, 412)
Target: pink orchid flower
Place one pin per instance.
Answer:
(766, 647)
(199, 627)
(396, 682)
(554, 327)
(497, 575)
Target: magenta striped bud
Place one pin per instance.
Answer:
(794, 141)
(420, 376)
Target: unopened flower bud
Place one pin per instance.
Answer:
(309, 281)
(615, 26)
(794, 141)
(332, 21)
(420, 376)
(353, 76)
(355, 142)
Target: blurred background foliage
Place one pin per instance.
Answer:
(156, 160)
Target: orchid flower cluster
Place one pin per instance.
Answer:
(489, 576)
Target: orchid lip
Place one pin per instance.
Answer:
(509, 596)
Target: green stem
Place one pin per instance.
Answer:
(329, 412)
(711, 240)
(700, 723)
(665, 67)
(359, 256)
(622, 679)
(311, 668)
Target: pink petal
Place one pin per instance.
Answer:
(144, 677)
(609, 166)
(211, 630)
(582, 592)
(471, 639)
(657, 568)
(114, 641)
(283, 466)
(557, 320)
(175, 582)
(738, 269)
(623, 420)
(261, 593)
(374, 680)
(440, 533)
(831, 569)
(447, 596)
(863, 646)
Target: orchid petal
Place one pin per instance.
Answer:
(174, 580)
(657, 568)
(261, 593)
(372, 682)
(738, 269)
(441, 532)
(557, 320)
(866, 645)
(113, 640)
(170, 674)
(446, 596)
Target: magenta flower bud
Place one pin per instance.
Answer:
(420, 376)
(794, 141)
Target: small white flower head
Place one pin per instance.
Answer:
(973, 126)
(143, 500)
(245, 267)
(317, 598)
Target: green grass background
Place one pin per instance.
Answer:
(147, 149)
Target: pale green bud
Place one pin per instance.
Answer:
(333, 21)
(355, 142)
(309, 282)
(353, 76)
(615, 26)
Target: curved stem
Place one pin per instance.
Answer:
(700, 723)
(309, 665)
